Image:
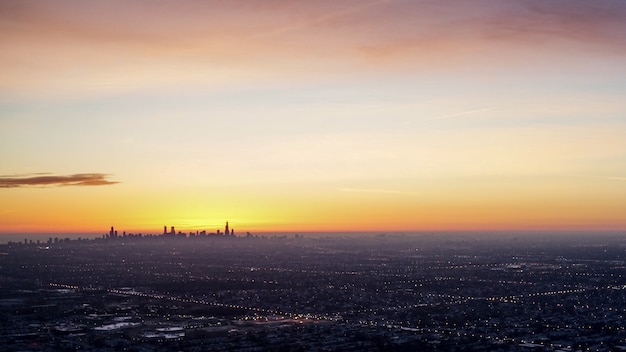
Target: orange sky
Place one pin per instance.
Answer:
(312, 116)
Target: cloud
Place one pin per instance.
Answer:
(469, 112)
(45, 180)
(502, 32)
(57, 47)
(321, 19)
(615, 178)
(377, 190)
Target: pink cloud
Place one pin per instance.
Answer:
(45, 180)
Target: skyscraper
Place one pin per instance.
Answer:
(226, 231)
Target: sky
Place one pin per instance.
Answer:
(342, 115)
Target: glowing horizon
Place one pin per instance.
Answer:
(284, 116)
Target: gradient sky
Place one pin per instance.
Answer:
(342, 115)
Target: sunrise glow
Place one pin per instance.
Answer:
(312, 115)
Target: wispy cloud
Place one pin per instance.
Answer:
(615, 178)
(378, 190)
(47, 180)
(468, 112)
(321, 19)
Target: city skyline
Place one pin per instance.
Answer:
(384, 115)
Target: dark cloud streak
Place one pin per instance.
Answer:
(46, 180)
